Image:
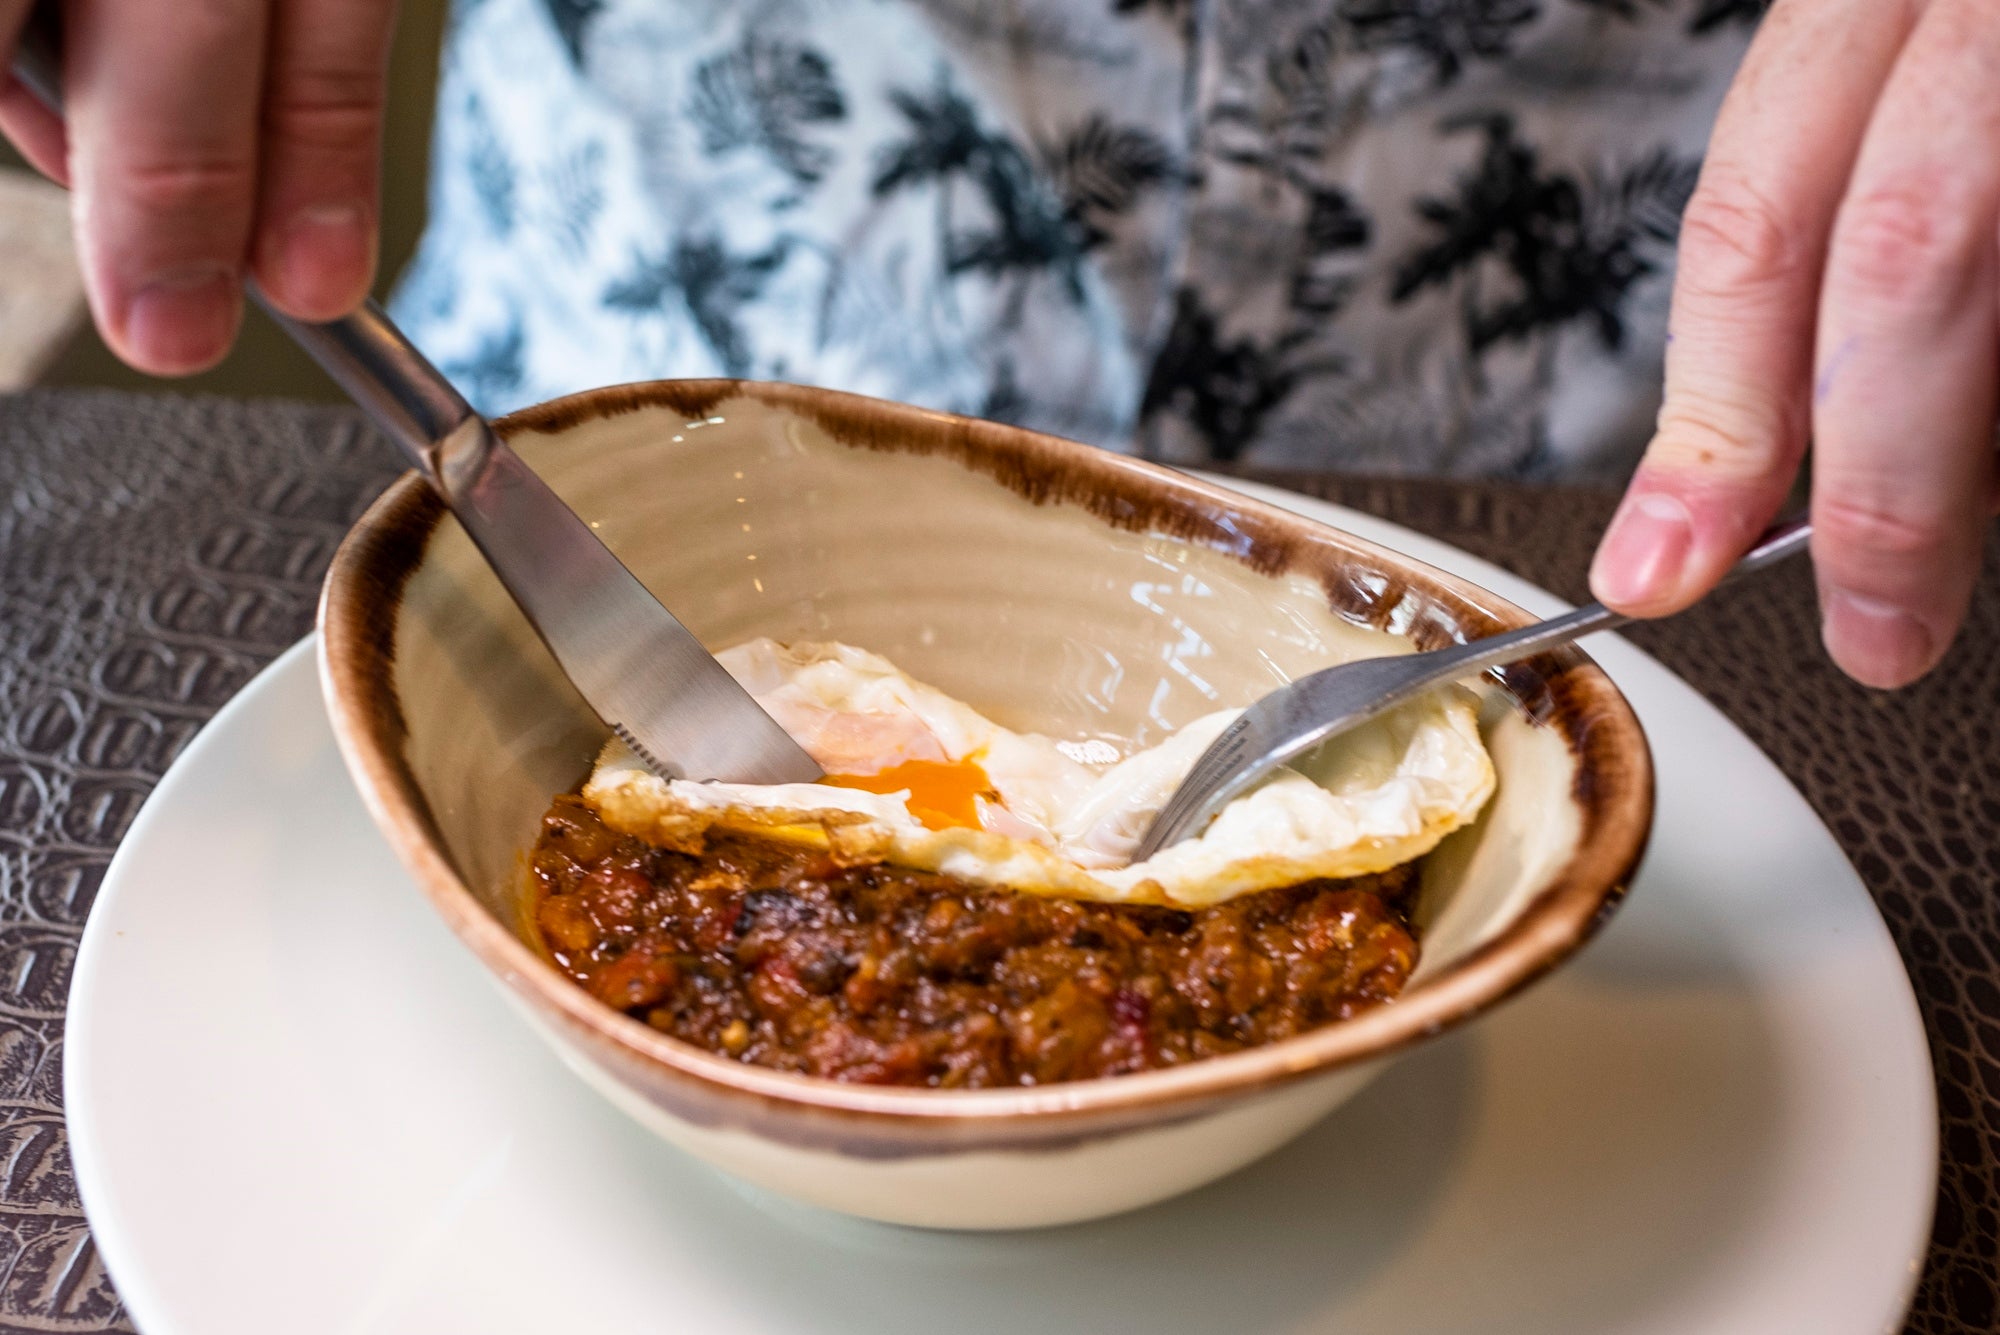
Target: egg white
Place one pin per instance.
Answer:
(1376, 798)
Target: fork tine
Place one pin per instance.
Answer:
(1212, 767)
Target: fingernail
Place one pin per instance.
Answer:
(1643, 554)
(183, 321)
(324, 258)
(1876, 643)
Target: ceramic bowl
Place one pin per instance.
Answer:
(1059, 589)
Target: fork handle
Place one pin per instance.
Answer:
(1778, 543)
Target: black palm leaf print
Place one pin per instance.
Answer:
(1048, 221)
(1499, 199)
(574, 185)
(1710, 15)
(1099, 169)
(1587, 272)
(427, 289)
(1448, 32)
(1225, 389)
(1571, 253)
(1181, 11)
(1282, 129)
(1102, 167)
(1629, 10)
(762, 95)
(491, 170)
(497, 365)
(1030, 232)
(714, 284)
(1565, 273)
(1005, 401)
(571, 18)
(944, 140)
(1335, 229)
(1648, 197)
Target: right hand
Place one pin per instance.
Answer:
(1837, 276)
(207, 141)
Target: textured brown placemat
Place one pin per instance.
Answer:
(155, 553)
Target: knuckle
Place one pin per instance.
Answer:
(1879, 529)
(1902, 239)
(1733, 236)
(327, 109)
(1698, 432)
(178, 187)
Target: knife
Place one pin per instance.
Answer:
(646, 675)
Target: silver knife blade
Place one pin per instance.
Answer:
(647, 676)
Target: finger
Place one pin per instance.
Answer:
(1910, 339)
(1753, 241)
(34, 129)
(323, 102)
(162, 106)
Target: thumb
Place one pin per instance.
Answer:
(1701, 496)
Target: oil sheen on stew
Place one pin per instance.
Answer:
(776, 954)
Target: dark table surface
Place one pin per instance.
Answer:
(155, 553)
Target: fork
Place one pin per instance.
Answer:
(1316, 708)
(645, 673)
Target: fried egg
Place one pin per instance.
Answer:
(919, 779)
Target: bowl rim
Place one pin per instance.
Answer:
(1613, 789)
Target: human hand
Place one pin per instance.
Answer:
(1839, 280)
(207, 140)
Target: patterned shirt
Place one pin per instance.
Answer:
(1390, 235)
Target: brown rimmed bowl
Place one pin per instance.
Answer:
(1057, 588)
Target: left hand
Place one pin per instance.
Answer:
(1839, 280)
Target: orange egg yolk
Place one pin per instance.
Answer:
(943, 793)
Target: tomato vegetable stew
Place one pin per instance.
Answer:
(784, 956)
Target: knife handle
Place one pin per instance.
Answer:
(398, 387)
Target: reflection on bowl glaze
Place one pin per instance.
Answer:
(1066, 591)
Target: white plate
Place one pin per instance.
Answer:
(296, 1104)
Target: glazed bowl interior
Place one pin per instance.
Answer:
(1057, 589)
